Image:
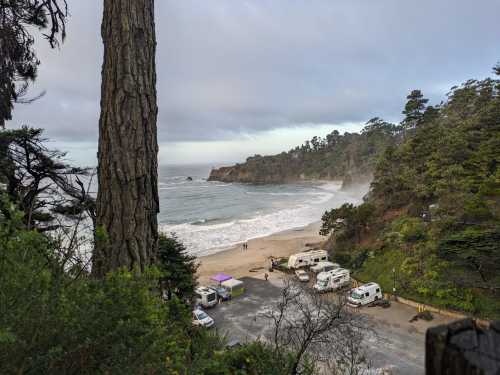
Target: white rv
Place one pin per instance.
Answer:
(308, 258)
(332, 280)
(205, 297)
(364, 295)
(324, 267)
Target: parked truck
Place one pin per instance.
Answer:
(332, 280)
(308, 258)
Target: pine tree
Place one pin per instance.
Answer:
(414, 109)
(178, 268)
(127, 200)
(18, 61)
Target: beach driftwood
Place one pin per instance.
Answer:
(463, 348)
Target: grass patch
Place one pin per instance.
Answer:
(379, 266)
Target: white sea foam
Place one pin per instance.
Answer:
(202, 238)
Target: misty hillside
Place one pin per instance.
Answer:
(431, 224)
(349, 157)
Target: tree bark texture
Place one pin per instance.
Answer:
(127, 200)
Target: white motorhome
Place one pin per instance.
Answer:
(205, 297)
(364, 295)
(324, 267)
(308, 258)
(332, 280)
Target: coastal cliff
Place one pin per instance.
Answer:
(348, 157)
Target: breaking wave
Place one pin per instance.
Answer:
(206, 236)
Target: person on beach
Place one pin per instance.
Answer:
(266, 276)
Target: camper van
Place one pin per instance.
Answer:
(364, 295)
(205, 297)
(332, 280)
(308, 258)
(324, 267)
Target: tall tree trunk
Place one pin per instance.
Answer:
(127, 201)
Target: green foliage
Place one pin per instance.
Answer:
(51, 323)
(177, 267)
(421, 277)
(408, 230)
(475, 249)
(18, 61)
(54, 322)
(437, 199)
(348, 156)
(47, 189)
(347, 220)
(348, 224)
(414, 109)
(256, 358)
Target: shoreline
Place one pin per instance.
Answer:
(238, 262)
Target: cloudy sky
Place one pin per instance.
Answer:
(260, 76)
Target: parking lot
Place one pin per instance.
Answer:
(394, 341)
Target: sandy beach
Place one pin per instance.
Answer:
(238, 262)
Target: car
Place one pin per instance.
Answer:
(222, 293)
(202, 319)
(302, 275)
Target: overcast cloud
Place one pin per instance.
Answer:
(229, 70)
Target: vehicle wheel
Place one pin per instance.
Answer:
(376, 298)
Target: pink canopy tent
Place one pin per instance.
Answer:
(220, 277)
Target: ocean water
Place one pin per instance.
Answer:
(211, 216)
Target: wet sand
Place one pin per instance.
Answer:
(238, 262)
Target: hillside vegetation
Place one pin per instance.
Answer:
(430, 226)
(349, 157)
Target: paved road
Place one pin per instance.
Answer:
(395, 342)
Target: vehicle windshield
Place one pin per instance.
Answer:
(356, 295)
(323, 283)
(201, 315)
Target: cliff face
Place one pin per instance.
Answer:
(240, 173)
(256, 175)
(349, 157)
(246, 174)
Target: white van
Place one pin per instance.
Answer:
(364, 295)
(205, 297)
(324, 267)
(308, 258)
(332, 280)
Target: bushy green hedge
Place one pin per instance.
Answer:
(54, 323)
